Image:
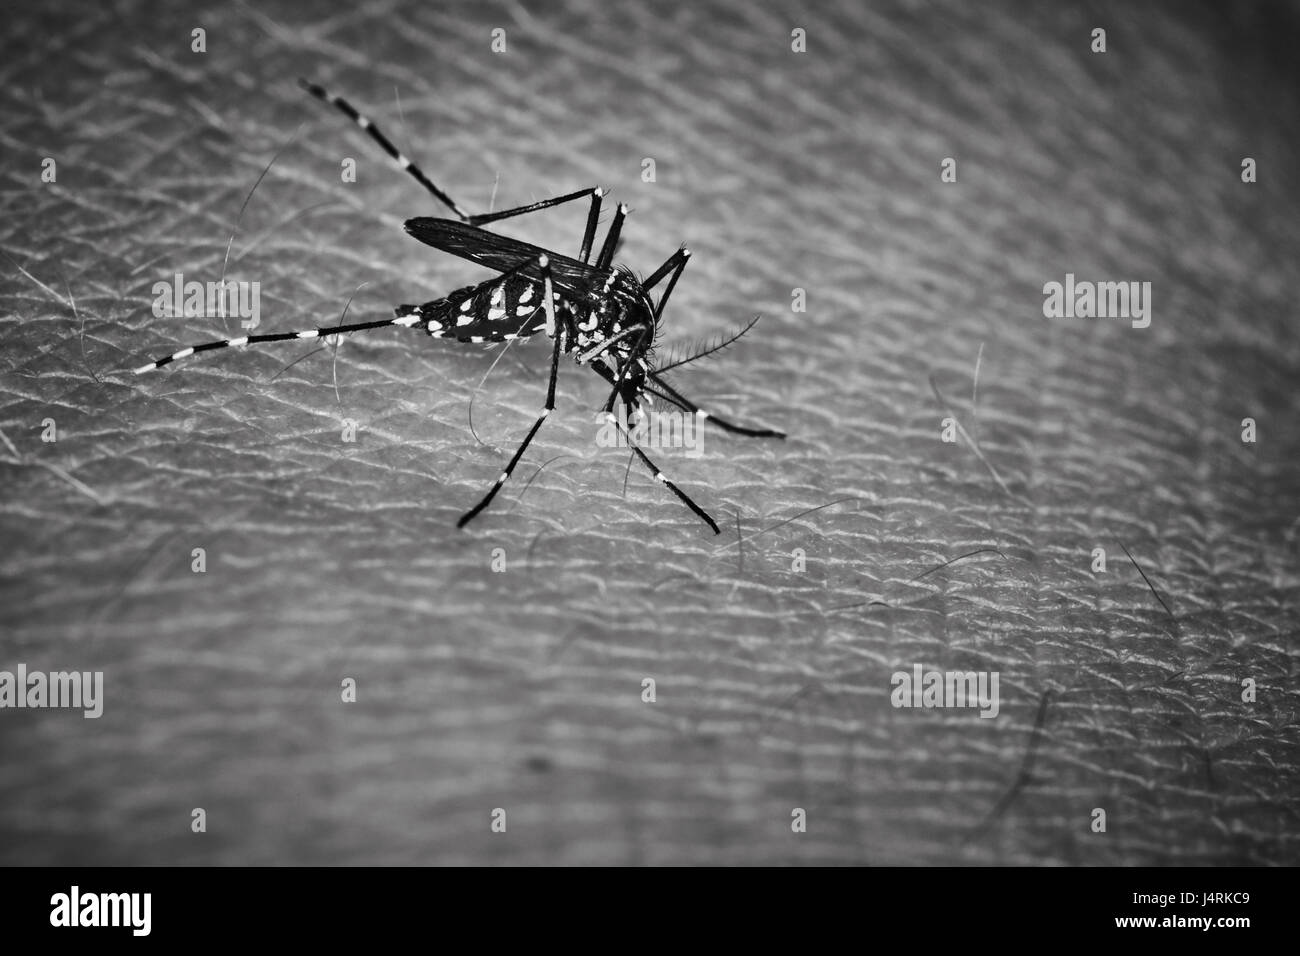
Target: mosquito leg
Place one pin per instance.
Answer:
(681, 400)
(589, 234)
(584, 357)
(372, 130)
(544, 263)
(325, 332)
(676, 261)
(595, 193)
(606, 374)
(592, 356)
(673, 267)
(661, 477)
(606, 256)
(407, 316)
(675, 264)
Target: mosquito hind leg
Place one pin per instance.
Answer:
(323, 332)
(347, 109)
(589, 233)
(350, 111)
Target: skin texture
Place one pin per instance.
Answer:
(522, 690)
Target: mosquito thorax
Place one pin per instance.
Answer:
(609, 314)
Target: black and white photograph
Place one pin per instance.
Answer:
(656, 434)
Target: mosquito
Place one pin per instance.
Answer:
(600, 313)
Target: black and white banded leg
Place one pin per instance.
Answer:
(659, 476)
(317, 333)
(347, 109)
(673, 267)
(372, 130)
(408, 316)
(548, 300)
(668, 393)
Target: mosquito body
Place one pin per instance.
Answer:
(600, 318)
(599, 313)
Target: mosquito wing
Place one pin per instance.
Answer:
(572, 278)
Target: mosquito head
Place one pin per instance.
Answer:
(641, 308)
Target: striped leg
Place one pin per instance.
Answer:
(677, 398)
(595, 193)
(675, 264)
(638, 330)
(416, 173)
(673, 267)
(661, 477)
(548, 300)
(407, 316)
(325, 332)
(604, 371)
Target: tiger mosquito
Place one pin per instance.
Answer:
(600, 313)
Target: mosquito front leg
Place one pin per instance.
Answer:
(666, 391)
(373, 131)
(660, 476)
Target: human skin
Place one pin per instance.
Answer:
(328, 560)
